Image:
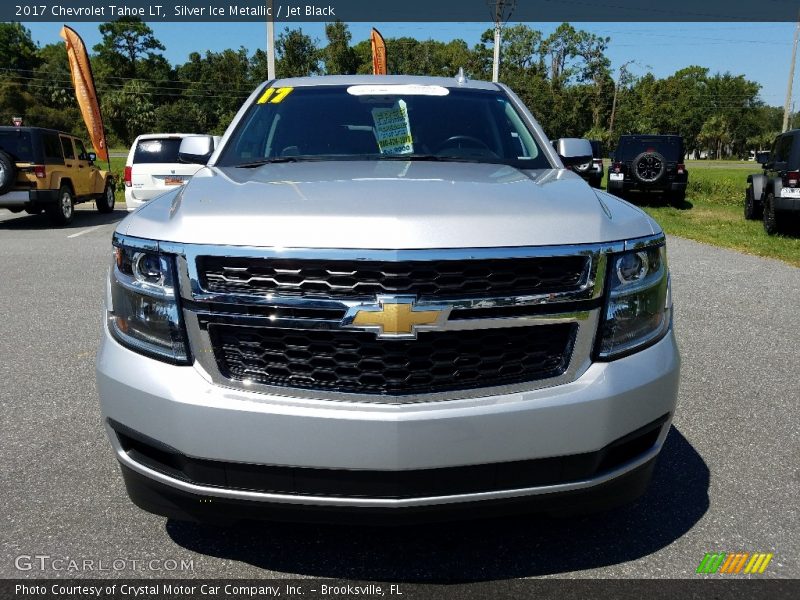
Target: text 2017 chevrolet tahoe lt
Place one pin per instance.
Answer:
(386, 294)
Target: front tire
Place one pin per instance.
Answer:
(105, 203)
(770, 218)
(752, 211)
(63, 211)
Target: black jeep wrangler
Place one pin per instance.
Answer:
(649, 163)
(774, 194)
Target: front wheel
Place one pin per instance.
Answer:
(62, 212)
(752, 211)
(770, 218)
(105, 203)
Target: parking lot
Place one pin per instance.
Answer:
(727, 480)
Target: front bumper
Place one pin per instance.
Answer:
(631, 185)
(178, 409)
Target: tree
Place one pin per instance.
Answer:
(715, 134)
(558, 49)
(54, 84)
(129, 111)
(297, 54)
(339, 57)
(181, 115)
(17, 48)
(126, 42)
(217, 83)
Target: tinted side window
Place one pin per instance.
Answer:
(18, 145)
(784, 149)
(66, 144)
(52, 148)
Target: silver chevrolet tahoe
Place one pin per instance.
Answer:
(386, 296)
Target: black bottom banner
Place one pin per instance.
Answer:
(313, 589)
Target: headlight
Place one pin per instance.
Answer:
(143, 312)
(639, 307)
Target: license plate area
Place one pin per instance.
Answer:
(174, 180)
(616, 176)
(790, 193)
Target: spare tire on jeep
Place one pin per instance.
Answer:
(649, 167)
(8, 172)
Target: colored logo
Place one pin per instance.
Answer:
(734, 562)
(396, 317)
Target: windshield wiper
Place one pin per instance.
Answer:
(268, 161)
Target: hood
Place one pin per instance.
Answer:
(386, 204)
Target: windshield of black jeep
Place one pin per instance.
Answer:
(382, 122)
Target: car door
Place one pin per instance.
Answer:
(83, 184)
(71, 163)
(88, 170)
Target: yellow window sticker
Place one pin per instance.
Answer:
(274, 95)
(392, 129)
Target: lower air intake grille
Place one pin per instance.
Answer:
(357, 362)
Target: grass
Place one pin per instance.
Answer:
(713, 213)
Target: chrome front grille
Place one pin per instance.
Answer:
(516, 323)
(364, 279)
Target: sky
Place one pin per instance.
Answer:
(760, 51)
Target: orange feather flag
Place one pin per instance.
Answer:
(378, 53)
(85, 91)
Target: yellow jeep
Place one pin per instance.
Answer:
(51, 171)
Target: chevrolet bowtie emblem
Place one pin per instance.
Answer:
(396, 317)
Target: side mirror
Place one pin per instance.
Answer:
(574, 151)
(92, 157)
(762, 158)
(196, 149)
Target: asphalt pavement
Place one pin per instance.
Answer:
(727, 480)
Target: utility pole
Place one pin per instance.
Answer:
(500, 15)
(270, 42)
(622, 70)
(791, 77)
(496, 61)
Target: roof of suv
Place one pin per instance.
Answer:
(39, 129)
(450, 82)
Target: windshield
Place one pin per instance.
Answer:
(386, 122)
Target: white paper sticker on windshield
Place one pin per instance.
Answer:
(397, 90)
(392, 129)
